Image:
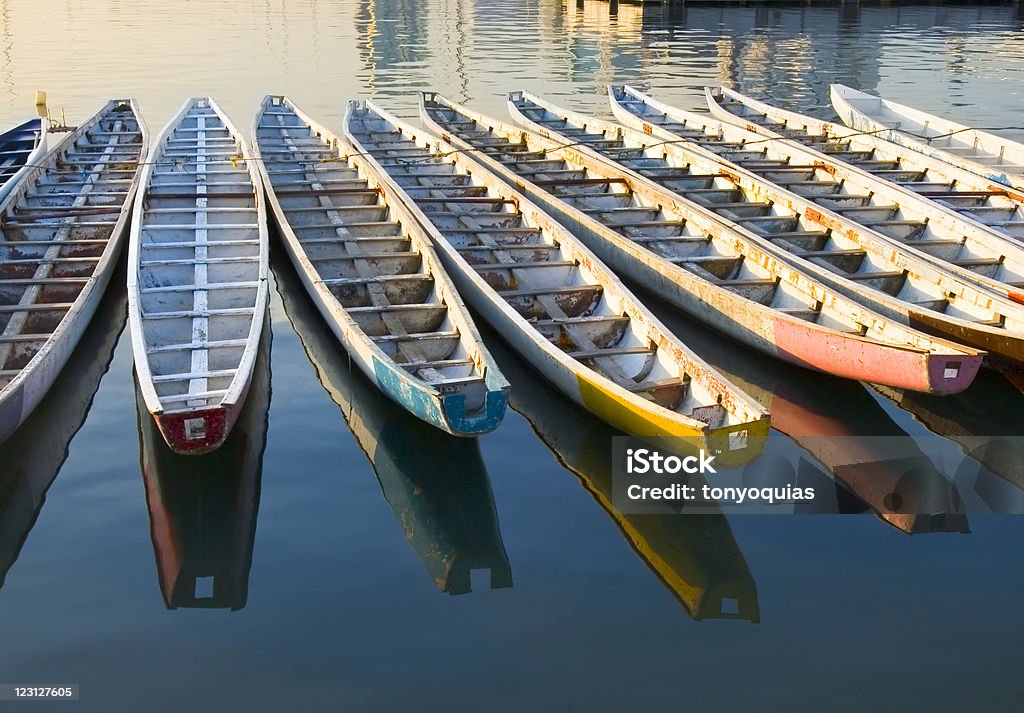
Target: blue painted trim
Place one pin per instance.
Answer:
(494, 411)
(447, 413)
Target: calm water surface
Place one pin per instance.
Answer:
(334, 541)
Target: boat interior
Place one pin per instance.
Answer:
(55, 228)
(199, 260)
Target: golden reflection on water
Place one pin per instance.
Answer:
(477, 50)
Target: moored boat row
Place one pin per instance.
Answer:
(875, 213)
(709, 268)
(824, 247)
(553, 300)
(865, 265)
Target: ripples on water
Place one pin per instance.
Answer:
(356, 512)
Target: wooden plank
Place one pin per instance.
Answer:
(200, 358)
(197, 344)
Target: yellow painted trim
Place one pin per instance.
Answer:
(679, 437)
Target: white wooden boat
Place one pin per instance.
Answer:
(975, 197)
(21, 148)
(62, 230)
(995, 157)
(373, 274)
(692, 258)
(851, 255)
(553, 300)
(197, 277)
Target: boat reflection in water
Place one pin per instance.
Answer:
(33, 455)
(986, 421)
(202, 508)
(695, 555)
(841, 425)
(436, 484)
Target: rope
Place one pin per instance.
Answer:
(929, 139)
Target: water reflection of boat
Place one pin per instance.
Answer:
(202, 508)
(987, 421)
(436, 484)
(695, 555)
(841, 425)
(33, 455)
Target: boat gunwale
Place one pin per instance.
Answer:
(846, 94)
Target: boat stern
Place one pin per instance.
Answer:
(476, 423)
(737, 444)
(445, 411)
(196, 432)
(952, 373)
(946, 370)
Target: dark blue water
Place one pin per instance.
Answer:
(334, 538)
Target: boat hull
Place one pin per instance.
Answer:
(204, 293)
(448, 413)
(213, 423)
(593, 395)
